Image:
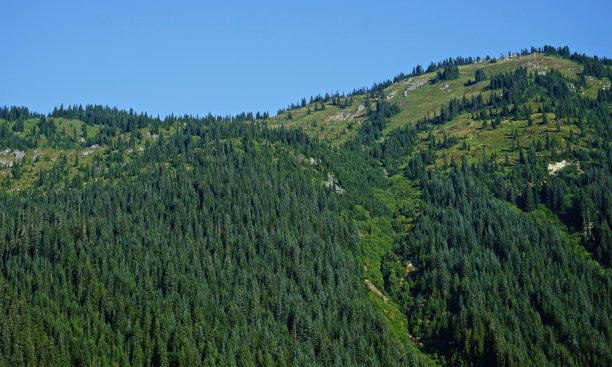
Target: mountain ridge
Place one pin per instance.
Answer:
(433, 229)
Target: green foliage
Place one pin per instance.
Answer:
(480, 75)
(188, 264)
(132, 240)
(497, 287)
(448, 73)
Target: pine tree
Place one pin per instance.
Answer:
(480, 75)
(18, 127)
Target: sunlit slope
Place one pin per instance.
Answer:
(419, 96)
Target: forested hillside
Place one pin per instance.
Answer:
(455, 215)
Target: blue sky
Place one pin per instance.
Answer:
(226, 57)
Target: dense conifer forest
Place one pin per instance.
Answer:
(456, 215)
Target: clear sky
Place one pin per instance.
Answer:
(226, 57)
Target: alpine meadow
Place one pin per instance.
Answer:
(455, 215)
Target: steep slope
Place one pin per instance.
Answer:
(460, 214)
(469, 290)
(417, 96)
(186, 254)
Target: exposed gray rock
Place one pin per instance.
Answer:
(19, 154)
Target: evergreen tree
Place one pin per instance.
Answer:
(479, 75)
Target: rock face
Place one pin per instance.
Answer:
(19, 154)
(553, 168)
(375, 290)
(332, 183)
(87, 152)
(414, 83)
(342, 116)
